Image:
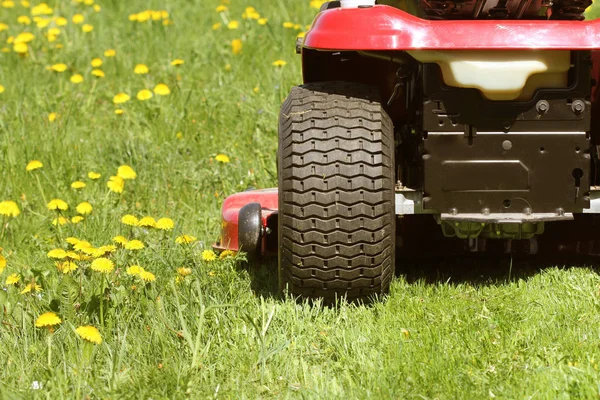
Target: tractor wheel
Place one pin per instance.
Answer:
(337, 225)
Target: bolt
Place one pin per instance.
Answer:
(485, 211)
(578, 106)
(507, 145)
(453, 211)
(527, 211)
(560, 212)
(542, 106)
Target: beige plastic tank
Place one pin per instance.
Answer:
(500, 75)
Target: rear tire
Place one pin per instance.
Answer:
(337, 224)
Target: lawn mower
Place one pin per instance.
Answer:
(463, 125)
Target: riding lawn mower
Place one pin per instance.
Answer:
(463, 125)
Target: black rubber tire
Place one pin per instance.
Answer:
(337, 225)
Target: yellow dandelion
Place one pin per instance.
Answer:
(93, 252)
(122, 240)
(148, 222)
(47, 319)
(78, 185)
(61, 21)
(209, 255)
(162, 90)
(66, 266)
(3, 27)
(226, 254)
(57, 253)
(236, 46)
(256, 90)
(33, 165)
(262, 21)
(110, 53)
(233, 25)
(165, 224)
(121, 98)
(76, 219)
(216, 26)
(126, 172)
(2, 263)
(183, 271)
(72, 240)
(185, 239)
(134, 270)
(141, 69)
(2, 89)
(59, 67)
(8, 4)
(24, 37)
(78, 19)
(288, 25)
(222, 158)
(103, 265)
(129, 219)
(12, 279)
(31, 288)
(97, 8)
(77, 78)
(221, 8)
(176, 62)
(24, 20)
(98, 73)
(144, 16)
(108, 248)
(227, 67)
(84, 208)
(134, 245)
(60, 221)
(93, 175)
(279, 63)
(116, 184)
(81, 245)
(147, 276)
(87, 28)
(96, 62)
(89, 333)
(9, 208)
(119, 111)
(20, 48)
(57, 204)
(52, 117)
(144, 94)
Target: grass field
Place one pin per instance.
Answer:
(198, 125)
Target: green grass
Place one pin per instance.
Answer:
(224, 331)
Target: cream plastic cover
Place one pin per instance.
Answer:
(500, 75)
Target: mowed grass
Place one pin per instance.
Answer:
(224, 331)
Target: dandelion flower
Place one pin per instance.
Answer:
(57, 253)
(47, 319)
(9, 208)
(24, 37)
(222, 158)
(2, 263)
(59, 67)
(20, 48)
(24, 20)
(162, 90)
(87, 28)
(77, 79)
(98, 73)
(141, 69)
(148, 222)
(1, 89)
(107, 249)
(233, 25)
(52, 117)
(96, 62)
(78, 19)
(33, 165)
(147, 276)
(288, 25)
(82, 244)
(76, 219)
(61, 21)
(72, 240)
(279, 63)
(185, 239)
(129, 219)
(110, 53)
(134, 245)
(31, 287)
(126, 172)
(209, 255)
(93, 252)
(236, 46)
(60, 221)
(165, 224)
(121, 98)
(226, 253)
(89, 333)
(66, 266)
(116, 184)
(183, 271)
(57, 204)
(94, 175)
(134, 270)
(84, 208)
(12, 279)
(122, 240)
(216, 26)
(103, 265)
(262, 21)
(119, 111)
(78, 185)
(221, 8)
(144, 94)
(177, 62)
